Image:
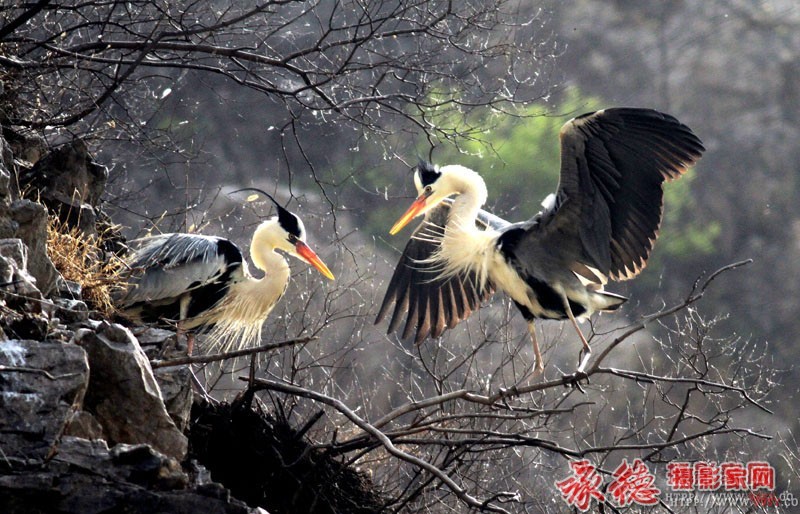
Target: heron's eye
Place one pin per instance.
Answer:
(428, 190)
(292, 238)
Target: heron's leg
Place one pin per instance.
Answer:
(198, 385)
(537, 354)
(587, 350)
(189, 338)
(189, 343)
(183, 313)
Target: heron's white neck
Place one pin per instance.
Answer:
(471, 191)
(239, 316)
(464, 246)
(266, 239)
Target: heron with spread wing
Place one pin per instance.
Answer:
(203, 282)
(600, 225)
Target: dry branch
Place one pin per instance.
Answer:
(203, 359)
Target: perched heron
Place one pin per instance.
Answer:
(601, 224)
(203, 282)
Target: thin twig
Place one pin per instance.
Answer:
(202, 359)
(646, 377)
(675, 442)
(23, 369)
(463, 495)
(696, 294)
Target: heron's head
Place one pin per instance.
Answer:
(433, 184)
(287, 233)
(292, 240)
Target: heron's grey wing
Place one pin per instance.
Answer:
(169, 265)
(430, 304)
(608, 207)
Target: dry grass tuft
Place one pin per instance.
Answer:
(80, 258)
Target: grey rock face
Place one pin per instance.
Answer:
(15, 277)
(68, 173)
(31, 220)
(176, 389)
(123, 394)
(70, 183)
(41, 385)
(87, 477)
(175, 382)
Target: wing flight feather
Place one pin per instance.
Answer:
(609, 202)
(169, 265)
(428, 304)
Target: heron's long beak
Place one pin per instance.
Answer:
(308, 254)
(410, 214)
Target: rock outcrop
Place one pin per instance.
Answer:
(41, 385)
(69, 182)
(87, 477)
(120, 366)
(84, 424)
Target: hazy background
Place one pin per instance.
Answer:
(729, 69)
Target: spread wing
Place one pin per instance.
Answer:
(169, 265)
(430, 304)
(609, 203)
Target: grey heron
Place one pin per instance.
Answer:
(199, 282)
(600, 225)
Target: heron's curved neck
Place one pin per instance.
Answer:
(265, 258)
(270, 262)
(472, 194)
(238, 319)
(464, 246)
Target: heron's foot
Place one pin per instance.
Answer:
(583, 359)
(574, 380)
(508, 391)
(538, 368)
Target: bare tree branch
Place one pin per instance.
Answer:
(382, 438)
(216, 357)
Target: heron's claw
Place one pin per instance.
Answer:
(574, 380)
(583, 358)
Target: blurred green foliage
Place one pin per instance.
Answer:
(683, 236)
(519, 155)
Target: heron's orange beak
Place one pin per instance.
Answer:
(410, 214)
(308, 254)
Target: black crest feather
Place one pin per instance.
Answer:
(428, 174)
(286, 219)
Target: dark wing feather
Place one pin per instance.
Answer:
(169, 265)
(610, 197)
(428, 304)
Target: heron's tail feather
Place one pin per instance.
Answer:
(609, 301)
